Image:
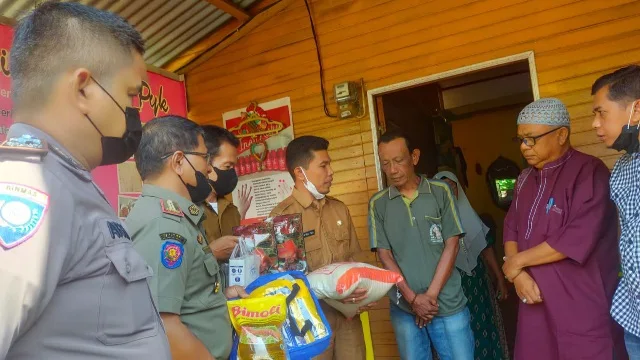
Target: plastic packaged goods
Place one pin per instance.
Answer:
(258, 323)
(337, 281)
(264, 241)
(306, 332)
(290, 243)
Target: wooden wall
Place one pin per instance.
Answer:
(389, 41)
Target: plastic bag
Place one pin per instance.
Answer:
(337, 281)
(290, 243)
(265, 246)
(305, 319)
(258, 323)
(304, 324)
(244, 265)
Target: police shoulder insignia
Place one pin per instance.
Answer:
(173, 236)
(27, 146)
(171, 254)
(194, 210)
(170, 207)
(22, 210)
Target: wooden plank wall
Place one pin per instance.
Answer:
(389, 41)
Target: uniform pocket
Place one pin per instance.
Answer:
(213, 294)
(434, 226)
(126, 312)
(313, 250)
(341, 249)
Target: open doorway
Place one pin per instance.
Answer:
(463, 121)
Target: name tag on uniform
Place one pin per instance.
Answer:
(308, 233)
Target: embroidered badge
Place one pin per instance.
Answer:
(171, 208)
(436, 233)
(117, 231)
(200, 239)
(171, 254)
(22, 210)
(173, 236)
(25, 141)
(194, 210)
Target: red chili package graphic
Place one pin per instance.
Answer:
(290, 243)
(264, 242)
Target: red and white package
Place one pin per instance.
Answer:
(337, 281)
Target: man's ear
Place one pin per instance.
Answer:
(563, 135)
(635, 118)
(81, 84)
(298, 174)
(415, 156)
(176, 162)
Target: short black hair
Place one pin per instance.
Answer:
(161, 136)
(300, 151)
(215, 136)
(624, 84)
(58, 36)
(391, 135)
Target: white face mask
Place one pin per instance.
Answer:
(312, 188)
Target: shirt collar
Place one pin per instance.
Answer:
(559, 161)
(423, 188)
(62, 155)
(305, 198)
(187, 207)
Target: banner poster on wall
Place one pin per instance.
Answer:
(121, 183)
(264, 131)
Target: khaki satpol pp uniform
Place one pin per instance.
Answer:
(329, 237)
(219, 224)
(167, 231)
(73, 287)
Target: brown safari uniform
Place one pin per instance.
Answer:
(217, 225)
(330, 237)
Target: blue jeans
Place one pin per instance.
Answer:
(632, 343)
(451, 336)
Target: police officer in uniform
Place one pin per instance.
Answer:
(221, 215)
(166, 227)
(329, 234)
(73, 287)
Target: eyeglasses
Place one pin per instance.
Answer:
(531, 140)
(206, 156)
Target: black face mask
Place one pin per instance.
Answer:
(628, 140)
(202, 190)
(116, 150)
(226, 183)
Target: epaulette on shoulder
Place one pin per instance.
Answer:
(24, 148)
(171, 210)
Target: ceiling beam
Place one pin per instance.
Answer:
(231, 9)
(232, 31)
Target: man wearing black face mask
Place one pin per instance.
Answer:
(167, 229)
(616, 109)
(73, 286)
(221, 216)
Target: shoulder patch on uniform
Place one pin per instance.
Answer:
(22, 210)
(27, 146)
(171, 254)
(171, 208)
(173, 236)
(117, 231)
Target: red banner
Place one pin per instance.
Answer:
(160, 95)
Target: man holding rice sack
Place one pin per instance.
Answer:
(329, 234)
(415, 228)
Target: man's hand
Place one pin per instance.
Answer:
(527, 289)
(356, 296)
(503, 290)
(511, 267)
(366, 307)
(235, 291)
(245, 200)
(223, 247)
(425, 306)
(420, 322)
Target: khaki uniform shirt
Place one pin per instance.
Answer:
(73, 287)
(329, 234)
(221, 223)
(167, 231)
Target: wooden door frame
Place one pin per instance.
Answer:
(373, 94)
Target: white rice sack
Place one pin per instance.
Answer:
(337, 281)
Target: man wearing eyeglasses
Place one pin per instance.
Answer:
(166, 227)
(560, 243)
